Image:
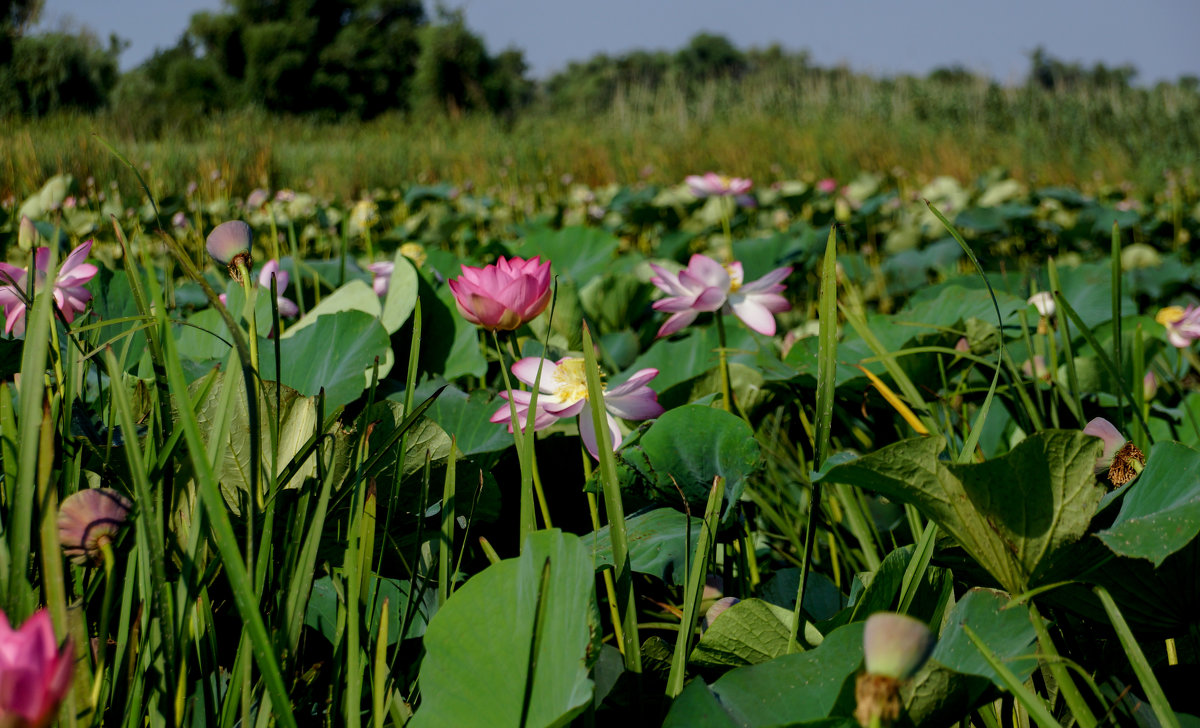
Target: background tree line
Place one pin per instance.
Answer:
(360, 58)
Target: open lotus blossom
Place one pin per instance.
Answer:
(712, 184)
(69, 294)
(1183, 325)
(563, 393)
(895, 646)
(89, 519)
(1121, 461)
(706, 285)
(35, 673)
(287, 307)
(504, 295)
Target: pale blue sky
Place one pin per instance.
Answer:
(877, 36)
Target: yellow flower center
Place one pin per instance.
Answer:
(735, 279)
(569, 381)
(1169, 315)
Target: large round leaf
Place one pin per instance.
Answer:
(1002, 626)
(494, 654)
(1014, 514)
(688, 447)
(336, 352)
(1161, 510)
(659, 543)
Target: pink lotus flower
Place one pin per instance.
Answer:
(706, 285)
(1183, 325)
(827, 186)
(287, 307)
(503, 296)
(382, 273)
(563, 393)
(34, 673)
(712, 184)
(69, 294)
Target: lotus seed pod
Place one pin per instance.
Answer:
(895, 645)
(89, 519)
(229, 243)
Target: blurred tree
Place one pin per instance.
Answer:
(15, 18)
(55, 71)
(708, 56)
(455, 74)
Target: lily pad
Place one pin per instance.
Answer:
(1013, 514)
(1161, 511)
(490, 645)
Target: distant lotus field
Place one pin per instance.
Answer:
(727, 452)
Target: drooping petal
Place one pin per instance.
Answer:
(755, 315)
(587, 432)
(676, 322)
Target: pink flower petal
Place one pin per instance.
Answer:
(755, 315)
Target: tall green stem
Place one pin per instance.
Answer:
(723, 357)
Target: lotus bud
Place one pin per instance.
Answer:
(27, 235)
(1149, 386)
(717, 609)
(1121, 461)
(1044, 303)
(894, 648)
(962, 346)
(88, 520)
(229, 244)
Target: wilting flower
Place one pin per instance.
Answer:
(229, 244)
(1183, 325)
(712, 184)
(502, 296)
(895, 646)
(563, 393)
(34, 672)
(69, 294)
(706, 285)
(1121, 461)
(89, 519)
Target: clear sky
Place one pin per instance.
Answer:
(995, 37)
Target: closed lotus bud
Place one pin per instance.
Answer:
(1044, 303)
(1149, 386)
(229, 244)
(895, 645)
(27, 235)
(89, 519)
(716, 610)
(894, 648)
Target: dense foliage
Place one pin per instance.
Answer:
(824, 404)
